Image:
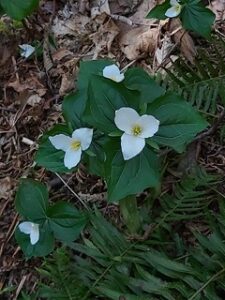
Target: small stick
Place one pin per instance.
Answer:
(72, 191)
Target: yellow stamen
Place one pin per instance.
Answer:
(177, 7)
(75, 145)
(136, 130)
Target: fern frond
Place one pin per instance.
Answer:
(189, 200)
(106, 266)
(65, 285)
(202, 84)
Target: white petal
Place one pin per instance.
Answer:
(113, 72)
(131, 145)
(84, 135)
(126, 118)
(27, 50)
(149, 125)
(119, 78)
(174, 2)
(34, 235)
(72, 157)
(60, 141)
(25, 227)
(173, 12)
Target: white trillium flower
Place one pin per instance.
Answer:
(136, 129)
(174, 10)
(73, 146)
(32, 229)
(27, 50)
(113, 72)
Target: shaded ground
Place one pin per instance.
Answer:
(31, 92)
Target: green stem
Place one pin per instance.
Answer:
(215, 276)
(130, 214)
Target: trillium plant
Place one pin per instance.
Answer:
(116, 124)
(194, 14)
(174, 10)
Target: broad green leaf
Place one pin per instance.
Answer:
(47, 155)
(104, 98)
(179, 122)
(137, 79)
(73, 107)
(195, 16)
(158, 12)
(32, 200)
(66, 221)
(96, 156)
(43, 247)
(90, 68)
(132, 176)
(19, 9)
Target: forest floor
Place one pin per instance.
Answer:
(31, 93)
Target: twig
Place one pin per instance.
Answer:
(213, 128)
(121, 19)
(73, 192)
(20, 286)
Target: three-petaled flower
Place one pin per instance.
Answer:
(136, 129)
(27, 50)
(32, 229)
(73, 146)
(174, 10)
(113, 72)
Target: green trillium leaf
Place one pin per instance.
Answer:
(195, 16)
(179, 121)
(90, 68)
(137, 79)
(19, 9)
(158, 12)
(132, 176)
(32, 200)
(66, 221)
(73, 107)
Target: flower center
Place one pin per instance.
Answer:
(136, 130)
(177, 7)
(75, 145)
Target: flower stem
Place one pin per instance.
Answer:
(130, 214)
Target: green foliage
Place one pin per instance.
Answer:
(125, 177)
(190, 199)
(179, 123)
(194, 15)
(202, 84)
(59, 270)
(137, 79)
(19, 9)
(94, 106)
(60, 220)
(111, 267)
(32, 200)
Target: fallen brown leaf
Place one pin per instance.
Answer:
(183, 38)
(218, 7)
(104, 37)
(139, 42)
(67, 83)
(5, 188)
(31, 84)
